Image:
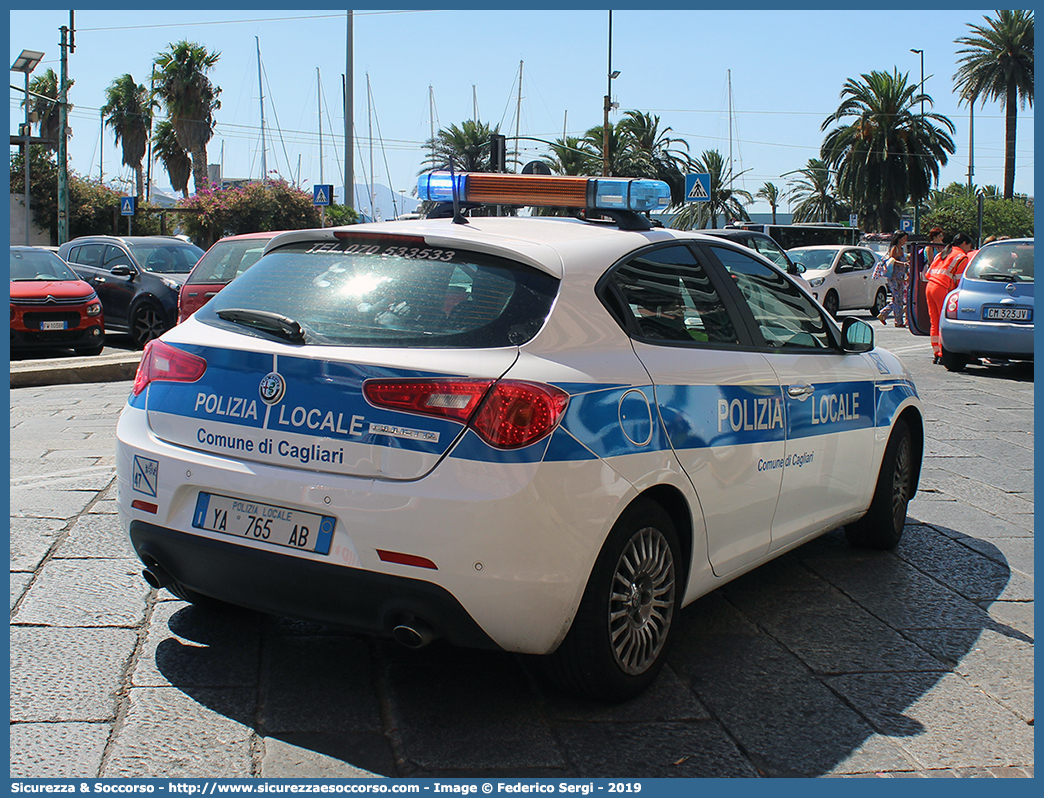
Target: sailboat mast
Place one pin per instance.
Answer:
(369, 123)
(518, 110)
(319, 99)
(261, 90)
(729, 75)
(431, 116)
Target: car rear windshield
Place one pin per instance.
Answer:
(166, 258)
(368, 292)
(813, 259)
(226, 260)
(1007, 262)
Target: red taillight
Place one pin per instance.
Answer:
(516, 414)
(951, 305)
(456, 399)
(380, 238)
(510, 415)
(162, 361)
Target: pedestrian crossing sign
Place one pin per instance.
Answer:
(697, 187)
(128, 206)
(322, 194)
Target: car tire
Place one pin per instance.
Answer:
(618, 641)
(954, 361)
(882, 526)
(831, 303)
(880, 302)
(147, 323)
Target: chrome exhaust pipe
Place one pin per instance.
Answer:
(413, 634)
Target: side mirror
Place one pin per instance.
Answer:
(856, 335)
(122, 271)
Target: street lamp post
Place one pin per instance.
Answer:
(26, 62)
(917, 208)
(608, 104)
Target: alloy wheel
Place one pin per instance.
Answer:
(641, 605)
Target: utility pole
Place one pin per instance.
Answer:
(605, 106)
(68, 45)
(148, 170)
(971, 143)
(917, 208)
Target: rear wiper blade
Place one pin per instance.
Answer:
(275, 323)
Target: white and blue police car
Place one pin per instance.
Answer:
(544, 435)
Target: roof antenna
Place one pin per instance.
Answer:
(458, 217)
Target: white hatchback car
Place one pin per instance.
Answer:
(842, 277)
(542, 435)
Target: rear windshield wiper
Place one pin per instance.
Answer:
(1000, 277)
(275, 323)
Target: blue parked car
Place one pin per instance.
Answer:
(990, 313)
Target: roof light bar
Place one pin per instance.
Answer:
(599, 193)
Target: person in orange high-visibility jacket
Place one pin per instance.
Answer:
(943, 275)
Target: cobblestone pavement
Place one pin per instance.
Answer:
(827, 662)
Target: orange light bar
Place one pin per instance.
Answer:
(501, 189)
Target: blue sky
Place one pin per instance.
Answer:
(786, 69)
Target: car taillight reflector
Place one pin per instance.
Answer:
(951, 305)
(162, 362)
(509, 415)
(406, 559)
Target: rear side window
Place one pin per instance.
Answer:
(88, 255)
(368, 292)
(670, 298)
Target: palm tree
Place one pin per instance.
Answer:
(997, 63)
(128, 112)
(815, 195)
(652, 153)
(466, 147)
(180, 79)
(568, 157)
(770, 193)
(626, 157)
(723, 198)
(888, 153)
(46, 85)
(175, 160)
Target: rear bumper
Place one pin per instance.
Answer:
(363, 601)
(987, 339)
(512, 551)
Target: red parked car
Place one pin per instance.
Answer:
(223, 262)
(52, 308)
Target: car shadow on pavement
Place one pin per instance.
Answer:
(827, 660)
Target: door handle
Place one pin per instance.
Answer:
(800, 391)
